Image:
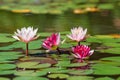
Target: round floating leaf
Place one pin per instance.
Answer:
(39, 59)
(111, 50)
(61, 76)
(104, 78)
(4, 58)
(7, 66)
(4, 38)
(80, 78)
(116, 59)
(63, 63)
(110, 63)
(32, 45)
(32, 65)
(29, 78)
(6, 72)
(30, 73)
(27, 64)
(56, 70)
(81, 72)
(10, 53)
(104, 69)
(111, 45)
(77, 64)
(3, 78)
(118, 78)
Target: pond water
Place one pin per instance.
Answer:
(43, 65)
(103, 22)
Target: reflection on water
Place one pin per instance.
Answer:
(105, 22)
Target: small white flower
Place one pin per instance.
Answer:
(26, 34)
(77, 34)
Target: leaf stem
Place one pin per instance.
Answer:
(26, 49)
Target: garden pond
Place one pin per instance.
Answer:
(104, 38)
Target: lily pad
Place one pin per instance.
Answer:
(7, 66)
(63, 63)
(116, 59)
(81, 72)
(32, 65)
(111, 50)
(9, 53)
(56, 70)
(61, 76)
(30, 73)
(6, 72)
(104, 69)
(29, 78)
(32, 45)
(4, 78)
(6, 38)
(80, 78)
(104, 78)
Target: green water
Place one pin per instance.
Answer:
(105, 22)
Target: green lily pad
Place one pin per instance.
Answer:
(104, 69)
(111, 50)
(30, 73)
(4, 38)
(32, 65)
(104, 78)
(6, 72)
(118, 78)
(10, 58)
(32, 45)
(114, 45)
(116, 59)
(56, 70)
(81, 72)
(63, 63)
(77, 64)
(9, 53)
(4, 78)
(7, 66)
(80, 78)
(61, 76)
(110, 62)
(29, 78)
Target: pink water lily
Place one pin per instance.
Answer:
(26, 35)
(82, 51)
(77, 34)
(52, 42)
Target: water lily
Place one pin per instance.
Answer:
(52, 42)
(26, 35)
(77, 34)
(82, 51)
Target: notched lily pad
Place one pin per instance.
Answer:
(4, 78)
(30, 73)
(80, 78)
(104, 69)
(29, 78)
(61, 76)
(104, 78)
(32, 65)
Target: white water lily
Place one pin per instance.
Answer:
(26, 34)
(77, 34)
